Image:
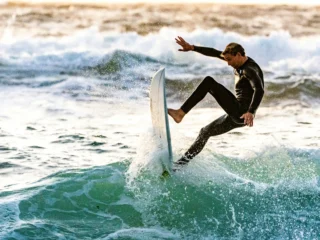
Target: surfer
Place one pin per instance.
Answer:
(240, 109)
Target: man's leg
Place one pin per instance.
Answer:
(219, 126)
(224, 124)
(223, 96)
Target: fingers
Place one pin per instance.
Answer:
(181, 39)
(182, 43)
(248, 119)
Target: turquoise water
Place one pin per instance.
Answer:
(275, 196)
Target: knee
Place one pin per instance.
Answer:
(209, 80)
(204, 133)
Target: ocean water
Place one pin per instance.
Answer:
(78, 157)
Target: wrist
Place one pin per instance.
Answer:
(252, 111)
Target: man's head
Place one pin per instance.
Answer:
(234, 54)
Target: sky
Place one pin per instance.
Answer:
(291, 2)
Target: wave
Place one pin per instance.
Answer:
(119, 61)
(92, 64)
(305, 90)
(112, 78)
(229, 198)
(277, 51)
(302, 90)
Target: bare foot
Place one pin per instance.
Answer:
(177, 115)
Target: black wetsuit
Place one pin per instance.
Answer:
(249, 89)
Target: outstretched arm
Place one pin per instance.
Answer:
(211, 52)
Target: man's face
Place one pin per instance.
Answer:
(233, 61)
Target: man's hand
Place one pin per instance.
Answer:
(185, 46)
(248, 118)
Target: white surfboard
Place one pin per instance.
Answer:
(160, 122)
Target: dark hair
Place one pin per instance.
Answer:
(233, 49)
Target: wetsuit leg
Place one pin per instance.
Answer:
(223, 96)
(224, 124)
(221, 125)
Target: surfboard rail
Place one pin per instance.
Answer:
(159, 115)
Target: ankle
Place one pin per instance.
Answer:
(181, 112)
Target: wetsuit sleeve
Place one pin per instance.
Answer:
(258, 88)
(211, 52)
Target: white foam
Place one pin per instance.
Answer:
(278, 51)
(143, 233)
(147, 159)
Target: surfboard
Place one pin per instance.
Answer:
(160, 121)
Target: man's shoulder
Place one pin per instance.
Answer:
(251, 66)
(251, 70)
(251, 63)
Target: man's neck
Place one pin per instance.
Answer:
(243, 61)
(245, 58)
